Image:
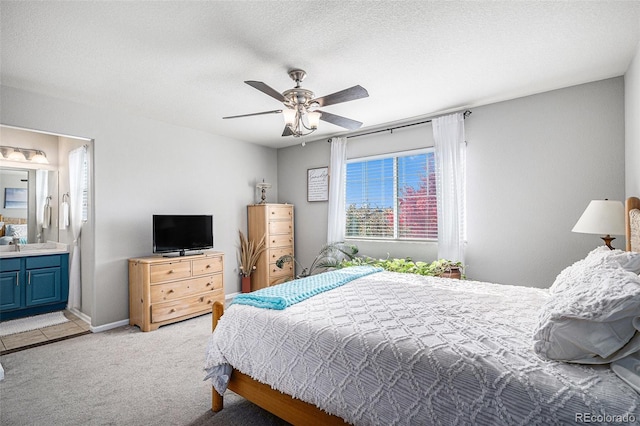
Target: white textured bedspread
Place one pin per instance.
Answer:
(400, 349)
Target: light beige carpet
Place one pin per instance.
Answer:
(120, 377)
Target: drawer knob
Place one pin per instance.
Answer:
(202, 299)
(172, 310)
(171, 271)
(208, 266)
(208, 302)
(208, 284)
(170, 291)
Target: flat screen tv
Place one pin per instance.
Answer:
(181, 233)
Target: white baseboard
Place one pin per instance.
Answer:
(109, 326)
(84, 317)
(229, 297)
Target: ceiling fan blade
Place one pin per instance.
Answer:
(338, 120)
(287, 131)
(275, 111)
(350, 94)
(264, 88)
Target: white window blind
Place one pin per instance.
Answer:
(392, 197)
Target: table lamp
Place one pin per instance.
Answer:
(603, 217)
(263, 186)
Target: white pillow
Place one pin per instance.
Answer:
(632, 262)
(13, 230)
(570, 276)
(593, 314)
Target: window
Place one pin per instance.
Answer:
(392, 197)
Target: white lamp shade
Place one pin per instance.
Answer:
(314, 119)
(603, 217)
(39, 158)
(16, 155)
(289, 116)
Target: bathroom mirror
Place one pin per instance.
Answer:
(29, 204)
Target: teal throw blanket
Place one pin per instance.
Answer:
(291, 292)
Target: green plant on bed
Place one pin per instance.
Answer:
(436, 268)
(330, 256)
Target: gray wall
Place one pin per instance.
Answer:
(534, 164)
(632, 126)
(142, 167)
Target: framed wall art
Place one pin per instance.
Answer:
(318, 184)
(15, 198)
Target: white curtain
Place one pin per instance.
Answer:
(42, 188)
(337, 170)
(77, 159)
(450, 152)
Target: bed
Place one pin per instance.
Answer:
(11, 227)
(394, 349)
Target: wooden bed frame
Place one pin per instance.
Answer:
(294, 410)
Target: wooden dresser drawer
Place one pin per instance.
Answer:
(284, 240)
(209, 265)
(170, 271)
(275, 254)
(279, 279)
(178, 289)
(281, 227)
(274, 271)
(185, 306)
(280, 212)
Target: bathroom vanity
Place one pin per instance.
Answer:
(33, 280)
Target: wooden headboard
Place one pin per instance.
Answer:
(10, 220)
(632, 219)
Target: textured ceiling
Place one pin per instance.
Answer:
(185, 62)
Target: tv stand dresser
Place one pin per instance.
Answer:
(164, 290)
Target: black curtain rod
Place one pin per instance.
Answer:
(391, 129)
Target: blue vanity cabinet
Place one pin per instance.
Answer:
(32, 285)
(9, 284)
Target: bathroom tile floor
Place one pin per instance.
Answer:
(29, 339)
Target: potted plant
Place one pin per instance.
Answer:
(330, 256)
(249, 252)
(446, 268)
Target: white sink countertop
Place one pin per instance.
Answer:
(33, 249)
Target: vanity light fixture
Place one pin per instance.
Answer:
(23, 154)
(16, 155)
(39, 158)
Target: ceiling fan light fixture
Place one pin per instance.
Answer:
(300, 112)
(314, 119)
(289, 116)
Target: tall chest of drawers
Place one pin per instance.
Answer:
(163, 290)
(275, 222)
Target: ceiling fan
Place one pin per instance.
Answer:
(301, 114)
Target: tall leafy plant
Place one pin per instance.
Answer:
(249, 252)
